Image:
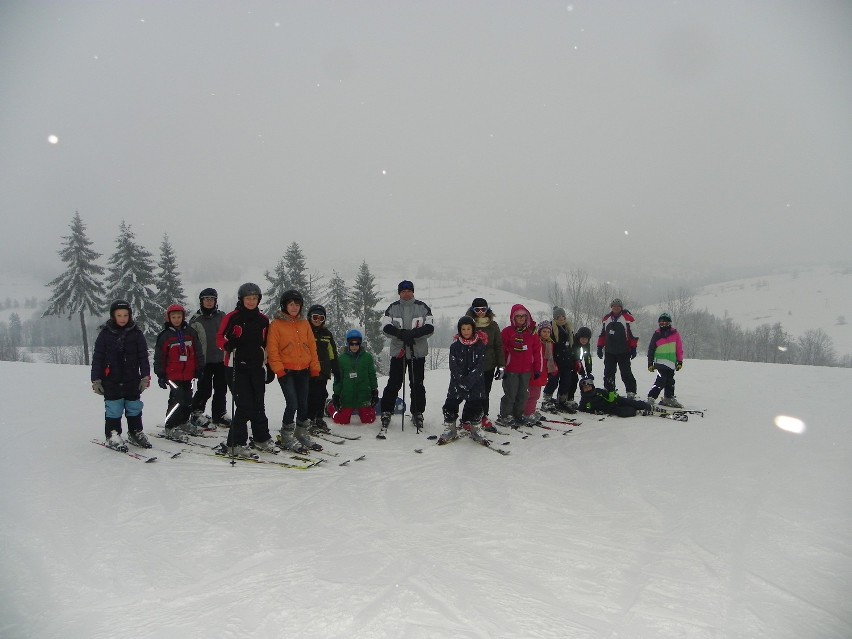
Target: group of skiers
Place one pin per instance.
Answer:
(244, 351)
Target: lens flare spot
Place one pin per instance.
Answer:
(790, 424)
(53, 139)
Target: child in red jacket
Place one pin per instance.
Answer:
(522, 350)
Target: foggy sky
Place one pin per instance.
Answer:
(505, 132)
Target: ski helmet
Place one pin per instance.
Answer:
(665, 317)
(469, 321)
(117, 305)
(587, 381)
(316, 309)
(616, 302)
(354, 334)
(175, 308)
(208, 292)
(405, 285)
(291, 296)
(249, 288)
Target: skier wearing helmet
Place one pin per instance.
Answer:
(356, 388)
(178, 359)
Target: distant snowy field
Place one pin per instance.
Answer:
(725, 526)
(802, 300)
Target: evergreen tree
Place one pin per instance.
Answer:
(78, 289)
(279, 281)
(169, 286)
(363, 299)
(337, 308)
(131, 278)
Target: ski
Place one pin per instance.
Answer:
(274, 462)
(676, 416)
(145, 458)
(567, 422)
(671, 409)
(361, 458)
(330, 438)
(564, 431)
(335, 433)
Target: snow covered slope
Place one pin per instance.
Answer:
(719, 527)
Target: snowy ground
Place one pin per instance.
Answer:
(720, 527)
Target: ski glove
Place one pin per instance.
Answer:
(162, 382)
(270, 375)
(678, 366)
(403, 336)
(537, 374)
(98, 387)
(144, 383)
(335, 400)
(632, 353)
(498, 373)
(651, 368)
(600, 353)
(374, 396)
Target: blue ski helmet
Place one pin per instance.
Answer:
(353, 334)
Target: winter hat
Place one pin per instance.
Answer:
(479, 301)
(545, 324)
(317, 309)
(291, 296)
(354, 334)
(405, 285)
(249, 288)
(119, 305)
(465, 320)
(558, 311)
(665, 317)
(583, 331)
(208, 292)
(616, 302)
(175, 308)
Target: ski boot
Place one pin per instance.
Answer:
(383, 430)
(302, 433)
(223, 420)
(239, 451)
(176, 434)
(671, 402)
(319, 425)
(450, 433)
(116, 441)
(199, 420)
(505, 421)
(651, 400)
(267, 446)
(417, 420)
(138, 438)
(487, 426)
(631, 395)
(475, 433)
(287, 439)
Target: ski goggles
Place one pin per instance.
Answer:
(318, 318)
(354, 342)
(480, 309)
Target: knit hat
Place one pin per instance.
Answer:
(665, 317)
(478, 301)
(558, 311)
(291, 296)
(583, 331)
(405, 285)
(465, 320)
(544, 324)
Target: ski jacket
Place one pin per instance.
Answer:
(494, 357)
(582, 355)
(548, 364)
(616, 333)
(206, 324)
(413, 316)
(521, 348)
(563, 339)
(665, 348)
(242, 335)
(467, 366)
(326, 352)
(177, 354)
(291, 346)
(357, 380)
(120, 356)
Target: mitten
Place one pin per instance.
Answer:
(651, 368)
(144, 383)
(537, 374)
(678, 366)
(162, 382)
(97, 387)
(632, 353)
(498, 373)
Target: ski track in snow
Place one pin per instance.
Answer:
(718, 527)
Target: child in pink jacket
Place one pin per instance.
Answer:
(522, 351)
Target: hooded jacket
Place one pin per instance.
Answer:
(521, 347)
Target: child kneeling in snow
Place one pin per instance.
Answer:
(356, 388)
(467, 383)
(599, 400)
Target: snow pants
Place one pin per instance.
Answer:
(213, 381)
(416, 370)
(367, 415)
(248, 385)
(317, 394)
(621, 361)
(665, 382)
(115, 408)
(515, 391)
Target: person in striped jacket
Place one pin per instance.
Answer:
(665, 356)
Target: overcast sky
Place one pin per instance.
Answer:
(681, 134)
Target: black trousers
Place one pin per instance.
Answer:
(213, 381)
(248, 386)
(416, 369)
(621, 361)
